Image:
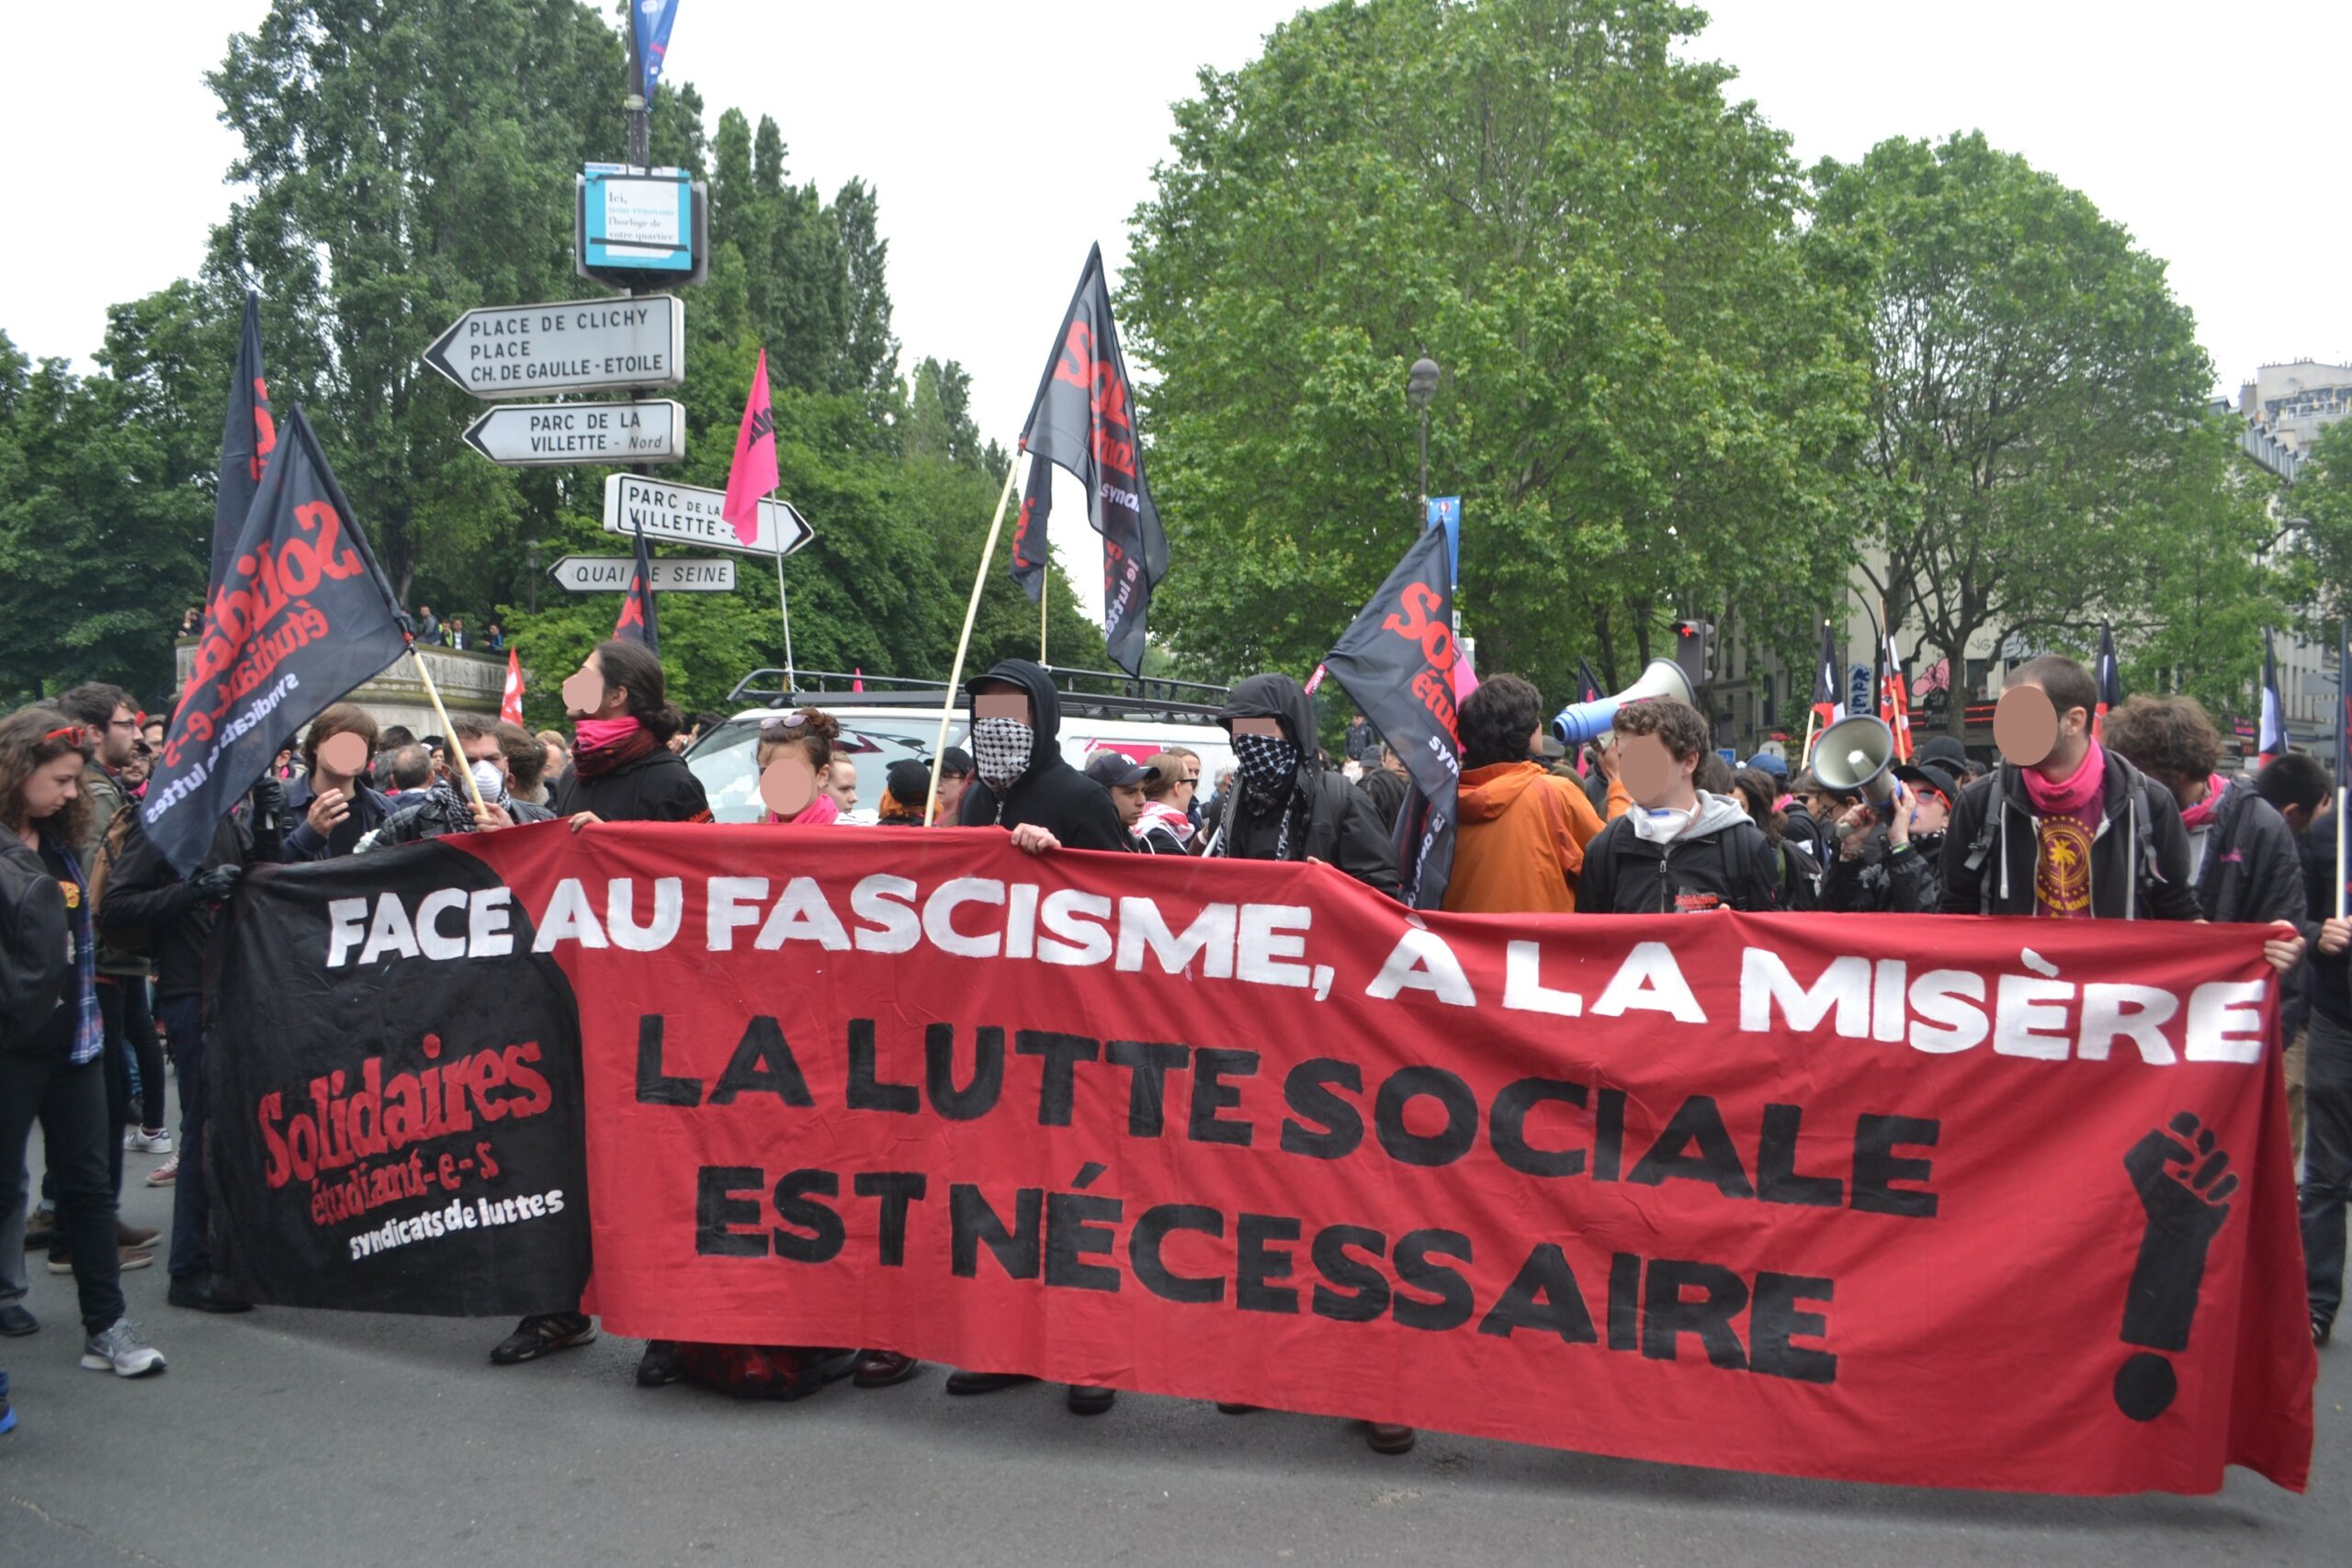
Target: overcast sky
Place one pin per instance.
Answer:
(1004, 143)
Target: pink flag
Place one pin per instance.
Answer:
(857, 678)
(1465, 680)
(509, 702)
(753, 474)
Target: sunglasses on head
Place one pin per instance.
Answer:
(74, 735)
(783, 729)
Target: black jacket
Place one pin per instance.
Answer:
(144, 893)
(656, 787)
(1051, 794)
(1797, 823)
(2139, 857)
(1730, 866)
(2325, 984)
(2252, 871)
(369, 808)
(1340, 827)
(36, 937)
(1877, 883)
(1386, 789)
(446, 809)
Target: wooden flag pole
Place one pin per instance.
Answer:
(433, 693)
(784, 612)
(2341, 794)
(964, 642)
(1045, 589)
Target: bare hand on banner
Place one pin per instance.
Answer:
(582, 819)
(2283, 952)
(1031, 838)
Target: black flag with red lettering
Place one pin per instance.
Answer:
(1084, 419)
(1396, 664)
(303, 615)
(248, 439)
(1029, 552)
(637, 623)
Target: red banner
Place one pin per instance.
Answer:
(1962, 1202)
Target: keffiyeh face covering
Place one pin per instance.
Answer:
(1000, 750)
(1268, 762)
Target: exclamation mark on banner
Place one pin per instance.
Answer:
(2185, 1186)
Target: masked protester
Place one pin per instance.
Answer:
(447, 806)
(1889, 859)
(1284, 804)
(51, 1033)
(1021, 779)
(1682, 849)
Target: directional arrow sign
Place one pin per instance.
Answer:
(672, 574)
(534, 436)
(691, 516)
(575, 346)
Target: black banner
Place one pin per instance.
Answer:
(303, 615)
(248, 439)
(636, 622)
(1396, 662)
(390, 1135)
(1084, 419)
(1030, 554)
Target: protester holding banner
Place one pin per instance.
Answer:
(1522, 833)
(1682, 849)
(447, 806)
(622, 768)
(1284, 805)
(795, 762)
(331, 805)
(2241, 855)
(1023, 780)
(52, 1033)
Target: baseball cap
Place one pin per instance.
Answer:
(1767, 763)
(1945, 752)
(1933, 777)
(1115, 770)
(908, 781)
(954, 762)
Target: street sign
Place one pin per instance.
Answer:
(537, 435)
(691, 516)
(567, 346)
(672, 574)
(639, 219)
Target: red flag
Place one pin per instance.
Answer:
(753, 474)
(1893, 701)
(510, 704)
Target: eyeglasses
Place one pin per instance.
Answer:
(74, 735)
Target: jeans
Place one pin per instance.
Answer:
(146, 1046)
(2327, 1163)
(191, 1254)
(69, 1103)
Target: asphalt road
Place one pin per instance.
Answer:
(307, 1438)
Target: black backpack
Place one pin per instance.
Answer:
(35, 940)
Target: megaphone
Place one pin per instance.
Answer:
(1858, 753)
(1580, 722)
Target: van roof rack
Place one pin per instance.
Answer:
(1090, 694)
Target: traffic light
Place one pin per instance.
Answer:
(1694, 650)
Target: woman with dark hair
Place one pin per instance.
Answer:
(622, 768)
(795, 764)
(1756, 790)
(622, 771)
(51, 1033)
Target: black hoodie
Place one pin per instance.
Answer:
(1342, 827)
(1051, 794)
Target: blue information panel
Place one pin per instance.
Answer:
(638, 220)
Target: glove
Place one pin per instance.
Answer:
(219, 883)
(269, 802)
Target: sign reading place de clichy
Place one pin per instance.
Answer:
(570, 345)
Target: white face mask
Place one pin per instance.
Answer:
(1659, 827)
(489, 781)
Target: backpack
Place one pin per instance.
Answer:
(2144, 827)
(34, 939)
(124, 939)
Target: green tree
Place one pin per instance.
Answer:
(2320, 508)
(1647, 400)
(2039, 457)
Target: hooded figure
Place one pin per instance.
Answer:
(1284, 805)
(1020, 774)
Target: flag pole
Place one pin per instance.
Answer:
(784, 613)
(1044, 588)
(964, 642)
(2343, 785)
(433, 695)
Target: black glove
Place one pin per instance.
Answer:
(269, 804)
(219, 883)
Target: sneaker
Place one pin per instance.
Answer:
(663, 1363)
(543, 1333)
(41, 1227)
(164, 1174)
(2321, 1330)
(120, 1350)
(15, 1322)
(127, 1235)
(146, 1141)
(129, 1259)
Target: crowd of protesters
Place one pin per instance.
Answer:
(102, 969)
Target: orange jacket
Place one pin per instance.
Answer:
(1521, 841)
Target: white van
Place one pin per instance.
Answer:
(888, 720)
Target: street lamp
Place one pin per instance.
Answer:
(531, 566)
(1421, 385)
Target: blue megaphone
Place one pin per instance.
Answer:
(1580, 722)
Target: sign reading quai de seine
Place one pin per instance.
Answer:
(528, 435)
(566, 345)
(691, 516)
(672, 574)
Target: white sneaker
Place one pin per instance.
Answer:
(120, 1350)
(158, 1142)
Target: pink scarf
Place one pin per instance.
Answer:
(2075, 795)
(1160, 814)
(594, 734)
(819, 813)
(2201, 815)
